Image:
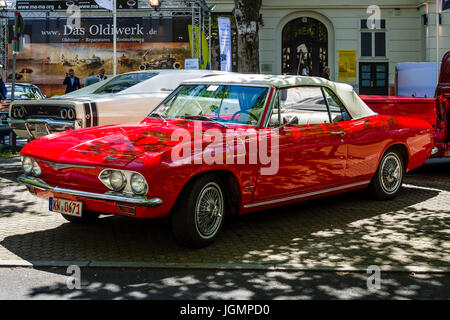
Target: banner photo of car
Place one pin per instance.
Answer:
(52, 48)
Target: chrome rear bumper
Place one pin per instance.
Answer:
(113, 197)
(30, 125)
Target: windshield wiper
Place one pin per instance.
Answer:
(204, 118)
(160, 116)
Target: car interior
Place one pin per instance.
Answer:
(307, 106)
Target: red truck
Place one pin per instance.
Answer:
(434, 110)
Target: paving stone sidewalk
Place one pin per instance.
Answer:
(344, 230)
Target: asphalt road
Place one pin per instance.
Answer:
(169, 284)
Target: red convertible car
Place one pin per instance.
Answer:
(226, 145)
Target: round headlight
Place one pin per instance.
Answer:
(117, 180)
(64, 113)
(138, 184)
(71, 114)
(36, 170)
(21, 112)
(27, 165)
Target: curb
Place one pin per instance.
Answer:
(217, 266)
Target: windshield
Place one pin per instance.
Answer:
(124, 81)
(24, 93)
(223, 103)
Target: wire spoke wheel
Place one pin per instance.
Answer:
(209, 210)
(391, 173)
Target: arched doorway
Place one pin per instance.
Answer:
(304, 47)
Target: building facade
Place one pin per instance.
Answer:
(361, 41)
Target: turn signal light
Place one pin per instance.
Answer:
(127, 209)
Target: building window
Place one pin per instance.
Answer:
(373, 41)
(380, 44)
(366, 44)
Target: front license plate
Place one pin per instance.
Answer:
(68, 207)
(40, 129)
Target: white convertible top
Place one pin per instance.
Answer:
(355, 106)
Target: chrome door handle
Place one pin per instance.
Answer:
(341, 133)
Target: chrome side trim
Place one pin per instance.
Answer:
(122, 198)
(61, 166)
(305, 195)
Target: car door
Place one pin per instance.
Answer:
(311, 149)
(362, 138)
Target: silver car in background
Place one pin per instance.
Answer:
(127, 97)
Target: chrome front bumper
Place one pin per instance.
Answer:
(27, 128)
(113, 197)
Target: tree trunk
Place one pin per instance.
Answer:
(247, 16)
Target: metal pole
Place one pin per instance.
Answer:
(13, 85)
(437, 41)
(209, 41)
(193, 32)
(114, 37)
(4, 45)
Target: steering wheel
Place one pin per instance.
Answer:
(250, 114)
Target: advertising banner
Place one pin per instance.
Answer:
(82, 4)
(416, 79)
(52, 48)
(204, 59)
(107, 4)
(225, 43)
(347, 66)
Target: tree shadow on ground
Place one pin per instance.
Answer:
(229, 285)
(14, 197)
(342, 230)
(328, 232)
(10, 168)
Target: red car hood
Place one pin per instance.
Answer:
(112, 146)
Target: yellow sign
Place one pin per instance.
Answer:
(347, 66)
(204, 59)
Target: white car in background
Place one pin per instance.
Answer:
(127, 97)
